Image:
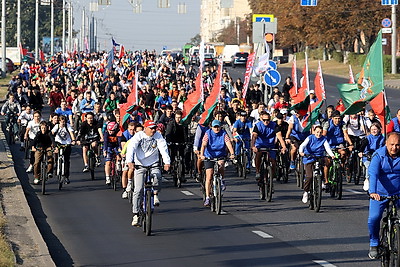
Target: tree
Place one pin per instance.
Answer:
(196, 40)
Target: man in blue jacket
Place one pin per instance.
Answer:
(384, 175)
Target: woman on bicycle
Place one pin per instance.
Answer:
(32, 129)
(64, 135)
(42, 143)
(110, 148)
(313, 146)
(368, 146)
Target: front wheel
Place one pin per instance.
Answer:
(317, 196)
(148, 212)
(269, 184)
(43, 176)
(395, 249)
(218, 196)
(339, 183)
(244, 165)
(384, 245)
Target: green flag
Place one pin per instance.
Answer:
(369, 81)
(301, 107)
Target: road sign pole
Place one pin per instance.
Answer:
(394, 40)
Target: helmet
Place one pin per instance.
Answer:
(112, 126)
(160, 127)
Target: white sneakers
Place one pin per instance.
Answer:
(36, 181)
(124, 195)
(366, 184)
(30, 169)
(156, 200)
(129, 186)
(305, 198)
(135, 220)
(108, 181)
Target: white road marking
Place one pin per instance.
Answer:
(223, 212)
(262, 234)
(354, 191)
(324, 263)
(187, 193)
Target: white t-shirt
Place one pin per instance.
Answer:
(34, 128)
(62, 135)
(25, 117)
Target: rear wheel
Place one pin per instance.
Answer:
(43, 176)
(395, 250)
(269, 183)
(179, 174)
(261, 182)
(92, 162)
(26, 151)
(60, 173)
(239, 165)
(358, 171)
(339, 183)
(148, 212)
(317, 192)
(218, 196)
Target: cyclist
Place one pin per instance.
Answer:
(394, 125)
(242, 128)
(64, 135)
(110, 147)
(111, 103)
(368, 146)
(89, 134)
(87, 104)
(264, 136)
(384, 180)
(63, 110)
(42, 143)
(295, 136)
(214, 145)
(144, 150)
(32, 129)
(123, 140)
(198, 137)
(23, 119)
(11, 109)
(314, 145)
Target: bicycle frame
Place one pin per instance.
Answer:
(266, 178)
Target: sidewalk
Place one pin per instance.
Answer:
(395, 84)
(21, 230)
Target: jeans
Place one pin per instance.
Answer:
(38, 159)
(139, 179)
(238, 150)
(12, 119)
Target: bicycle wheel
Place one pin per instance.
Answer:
(261, 182)
(317, 192)
(203, 184)
(339, 183)
(43, 175)
(149, 198)
(92, 162)
(350, 168)
(179, 174)
(297, 172)
(244, 165)
(395, 246)
(284, 168)
(269, 183)
(218, 196)
(301, 174)
(60, 173)
(239, 165)
(26, 150)
(358, 171)
(384, 245)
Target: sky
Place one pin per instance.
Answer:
(154, 28)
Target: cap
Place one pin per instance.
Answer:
(243, 113)
(150, 124)
(311, 92)
(216, 123)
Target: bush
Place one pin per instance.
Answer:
(316, 54)
(338, 56)
(387, 64)
(300, 55)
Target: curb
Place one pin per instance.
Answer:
(21, 207)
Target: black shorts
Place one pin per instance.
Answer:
(296, 142)
(208, 164)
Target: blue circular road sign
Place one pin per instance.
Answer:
(272, 78)
(386, 23)
(272, 65)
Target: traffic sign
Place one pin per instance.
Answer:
(263, 18)
(386, 30)
(272, 78)
(386, 22)
(384, 41)
(308, 2)
(390, 2)
(272, 65)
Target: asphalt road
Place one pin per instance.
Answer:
(88, 224)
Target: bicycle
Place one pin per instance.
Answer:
(389, 241)
(43, 170)
(265, 184)
(10, 128)
(355, 167)
(177, 165)
(147, 205)
(216, 188)
(60, 170)
(115, 171)
(315, 195)
(282, 162)
(299, 171)
(335, 176)
(242, 158)
(91, 160)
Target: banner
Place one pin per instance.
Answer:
(247, 76)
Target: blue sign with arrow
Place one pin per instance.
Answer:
(272, 65)
(390, 2)
(272, 78)
(309, 2)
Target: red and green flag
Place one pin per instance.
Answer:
(193, 102)
(369, 81)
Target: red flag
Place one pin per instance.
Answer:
(294, 74)
(302, 92)
(351, 76)
(122, 51)
(249, 68)
(41, 54)
(213, 97)
(381, 109)
(319, 84)
(192, 98)
(133, 95)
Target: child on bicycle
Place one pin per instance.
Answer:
(313, 146)
(241, 133)
(42, 143)
(111, 147)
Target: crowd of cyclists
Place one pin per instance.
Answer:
(85, 94)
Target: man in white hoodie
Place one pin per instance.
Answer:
(143, 151)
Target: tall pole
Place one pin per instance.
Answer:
(19, 24)
(83, 30)
(95, 35)
(3, 38)
(63, 27)
(52, 28)
(70, 27)
(36, 31)
(394, 40)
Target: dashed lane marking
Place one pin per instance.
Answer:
(187, 193)
(262, 234)
(324, 263)
(354, 191)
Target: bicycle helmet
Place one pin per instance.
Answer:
(112, 126)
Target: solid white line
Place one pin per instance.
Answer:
(324, 263)
(262, 234)
(188, 193)
(354, 191)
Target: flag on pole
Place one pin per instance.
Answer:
(122, 51)
(263, 61)
(114, 43)
(351, 76)
(369, 81)
(380, 107)
(247, 76)
(41, 55)
(302, 92)
(133, 95)
(193, 102)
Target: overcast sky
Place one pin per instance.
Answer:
(151, 29)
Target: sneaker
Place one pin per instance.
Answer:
(86, 169)
(135, 220)
(124, 195)
(207, 202)
(49, 175)
(258, 176)
(292, 165)
(98, 161)
(66, 180)
(156, 200)
(305, 198)
(108, 181)
(223, 186)
(129, 186)
(36, 181)
(366, 184)
(323, 186)
(30, 169)
(373, 253)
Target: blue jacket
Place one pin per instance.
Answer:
(396, 126)
(374, 142)
(335, 133)
(296, 133)
(266, 135)
(314, 147)
(243, 128)
(384, 174)
(216, 147)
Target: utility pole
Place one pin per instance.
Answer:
(83, 30)
(63, 27)
(19, 24)
(70, 26)
(36, 31)
(52, 28)
(3, 38)
(394, 40)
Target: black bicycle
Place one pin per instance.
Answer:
(91, 160)
(282, 163)
(43, 170)
(389, 243)
(265, 183)
(177, 164)
(299, 172)
(315, 195)
(216, 187)
(355, 167)
(60, 170)
(242, 157)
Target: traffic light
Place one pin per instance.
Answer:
(269, 37)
